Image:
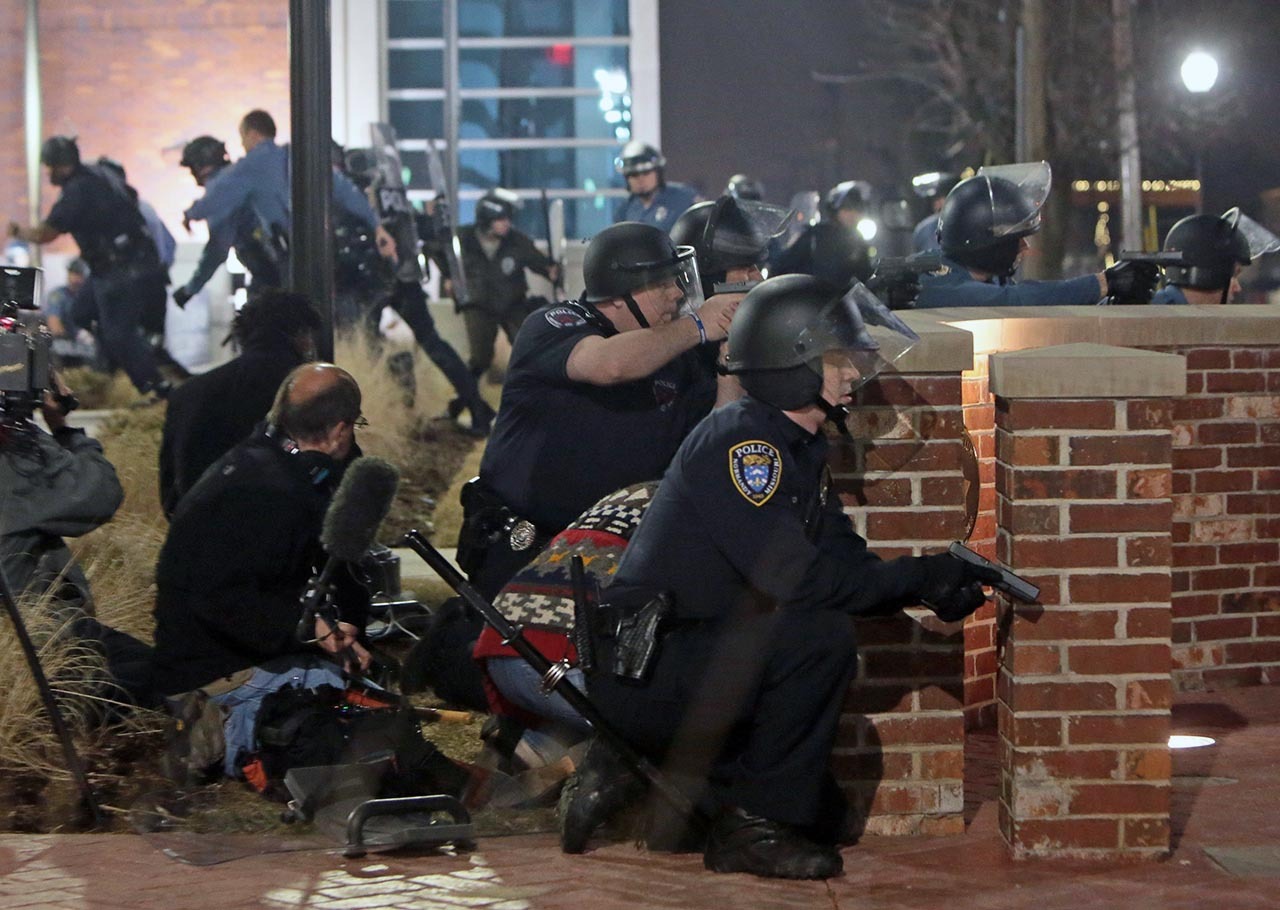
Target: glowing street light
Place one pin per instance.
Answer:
(1199, 72)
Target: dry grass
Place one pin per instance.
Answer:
(100, 391)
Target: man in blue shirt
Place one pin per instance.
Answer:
(933, 186)
(652, 200)
(1214, 249)
(983, 229)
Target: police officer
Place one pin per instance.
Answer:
(653, 200)
(732, 238)
(983, 229)
(763, 570)
(1215, 249)
(832, 249)
(933, 186)
(98, 210)
(599, 392)
(495, 256)
(253, 195)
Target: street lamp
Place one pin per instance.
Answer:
(1199, 73)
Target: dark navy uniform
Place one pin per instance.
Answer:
(764, 570)
(1170, 295)
(827, 250)
(667, 204)
(925, 235)
(952, 285)
(109, 229)
(497, 289)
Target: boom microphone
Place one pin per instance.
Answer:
(359, 505)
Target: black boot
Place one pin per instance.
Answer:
(601, 787)
(740, 842)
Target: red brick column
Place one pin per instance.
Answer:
(1083, 484)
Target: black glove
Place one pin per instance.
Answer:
(1132, 282)
(899, 292)
(181, 296)
(952, 588)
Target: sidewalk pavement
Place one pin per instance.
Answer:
(1226, 856)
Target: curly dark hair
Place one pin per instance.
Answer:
(274, 315)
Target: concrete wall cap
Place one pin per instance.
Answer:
(1088, 370)
(941, 349)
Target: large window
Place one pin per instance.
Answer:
(543, 100)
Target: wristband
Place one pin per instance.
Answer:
(702, 329)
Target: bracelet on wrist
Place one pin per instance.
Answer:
(702, 329)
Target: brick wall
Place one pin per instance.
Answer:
(134, 79)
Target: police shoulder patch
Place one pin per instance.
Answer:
(756, 469)
(563, 317)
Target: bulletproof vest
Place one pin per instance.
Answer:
(130, 244)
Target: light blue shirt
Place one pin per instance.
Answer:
(667, 204)
(925, 236)
(952, 285)
(1169, 295)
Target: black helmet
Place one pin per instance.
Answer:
(60, 150)
(1211, 246)
(729, 233)
(743, 187)
(784, 325)
(628, 256)
(984, 219)
(204, 151)
(638, 158)
(496, 205)
(849, 194)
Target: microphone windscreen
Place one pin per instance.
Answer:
(359, 505)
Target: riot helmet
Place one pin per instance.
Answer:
(639, 158)
(741, 186)
(630, 256)
(496, 205)
(60, 151)
(785, 325)
(729, 233)
(984, 218)
(848, 194)
(1212, 246)
(202, 152)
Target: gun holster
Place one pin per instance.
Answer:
(634, 619)
(486, 523)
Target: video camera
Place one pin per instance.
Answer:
(24, 349)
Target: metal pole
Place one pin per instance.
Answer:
(452, 103)
(33, 117)
(1127, 121)
(310, 164)
(1033, 137)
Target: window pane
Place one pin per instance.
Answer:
(582, 217)
(417, 119)
(415, 69)
(551, 118)
(580, 168)
(554, 66)
(415, 18)
(533, 18)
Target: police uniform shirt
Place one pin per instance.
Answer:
(668, 203)
(497, 283)
(742, 518)
(93, 212)
(1170, 295)
(925, 235)
(558, 446)
(260, 178)
(827, 250)
(952, 285)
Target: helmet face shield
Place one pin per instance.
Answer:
(1261, 241)
(861, 327)
(683, 269)
(1033, 180)
(739, 231)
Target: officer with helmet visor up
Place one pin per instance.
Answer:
(495, 255)
(763, 570)
(653, 200)
(1215, 249)
(983, 229)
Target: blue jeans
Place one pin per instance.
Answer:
(243, 702)
(522, 685)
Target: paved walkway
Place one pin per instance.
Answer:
(1226, 805)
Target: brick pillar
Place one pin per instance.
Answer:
(1083, 452)
(900, 751)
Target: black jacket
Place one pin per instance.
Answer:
(210, 413)
(497, 285)
(242, 546)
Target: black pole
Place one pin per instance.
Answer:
(310, 161)
(553, 675)
(50, 703)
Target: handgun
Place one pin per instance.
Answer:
(1162, 258)
(897, 278)
(1014, 585)
(732, 287)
